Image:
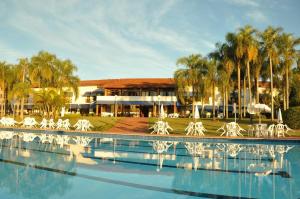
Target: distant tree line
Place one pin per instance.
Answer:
(246, 57)
(43, 76)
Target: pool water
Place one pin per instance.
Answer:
(43, 166)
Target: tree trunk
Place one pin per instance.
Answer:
(22, 108)
(193, 103)
(287, 89)
(284, 98)
(224, 101)
(272, 99)
(226, 90)
(239, 91)
(257, 89)
(249, 83)
(245, 95)
(213, 101)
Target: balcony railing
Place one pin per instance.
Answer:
(137, 98)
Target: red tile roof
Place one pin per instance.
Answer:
(131, 83)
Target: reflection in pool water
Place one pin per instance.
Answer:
(60, 166)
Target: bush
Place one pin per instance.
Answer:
(291, 117)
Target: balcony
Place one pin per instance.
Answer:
(137, 100)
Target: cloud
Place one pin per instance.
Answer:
(257, 16)
(252, 3)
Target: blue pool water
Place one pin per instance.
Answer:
(43, 166)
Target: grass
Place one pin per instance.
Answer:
(179, 125)
(99, 123)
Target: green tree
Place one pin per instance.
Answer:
(248, 48)
(269, 38)
(211, 78)
(4, 71)
(235, 54)
(288, 53)
(42, 68)
(189, 80)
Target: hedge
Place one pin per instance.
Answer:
(291, 117)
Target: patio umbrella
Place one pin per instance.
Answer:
(162, 112)
(279, 116)
(262, 108)
(196, 114)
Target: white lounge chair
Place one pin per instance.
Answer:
(231, 129)
(51, 124)
(161, 127)
(43, 123)
(83, 125)
(59, 124)
(66, 124)
(29, 122)
(195, 128)
(8, 122)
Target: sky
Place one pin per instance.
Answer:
(131, 38)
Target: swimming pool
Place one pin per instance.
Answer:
(36, 165)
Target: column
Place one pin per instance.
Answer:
(154, 110)
(97, 109)
(174, 107)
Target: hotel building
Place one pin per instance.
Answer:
(135, 97)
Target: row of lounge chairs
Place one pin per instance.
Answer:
(30, 122)
(231, 129)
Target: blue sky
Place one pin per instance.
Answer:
(134, 38)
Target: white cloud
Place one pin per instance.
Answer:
(108, 38)
(252, 3)
(257, 16)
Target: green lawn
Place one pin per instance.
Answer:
(179, 124)
(99, 123)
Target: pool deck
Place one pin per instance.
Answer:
(148, 136)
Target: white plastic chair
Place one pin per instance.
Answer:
(66, 124)
(51, 124)
(44, 123)
(59, 124)
(29, 122)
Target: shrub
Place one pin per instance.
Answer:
(291, 117)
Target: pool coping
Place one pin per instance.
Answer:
(147, 136)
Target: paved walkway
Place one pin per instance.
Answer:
(130, 125)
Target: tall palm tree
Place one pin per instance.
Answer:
(3, 84)
(269, 38)
(22, 87)
(236, 55)
(248, 47)
(41, 68)
(288, 53)
(190, 77)
(63, 76)
(223, 56)
(256, 70)
(211, 78)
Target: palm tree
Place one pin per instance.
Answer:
(41, 68)
(287, 45)
(269, 39)
(248, 47)
(212, 79)
(3, 85)
(236, 56)
(190, 77)
(225, 62)
(22, 87)
(257, 69)
(63, 76)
